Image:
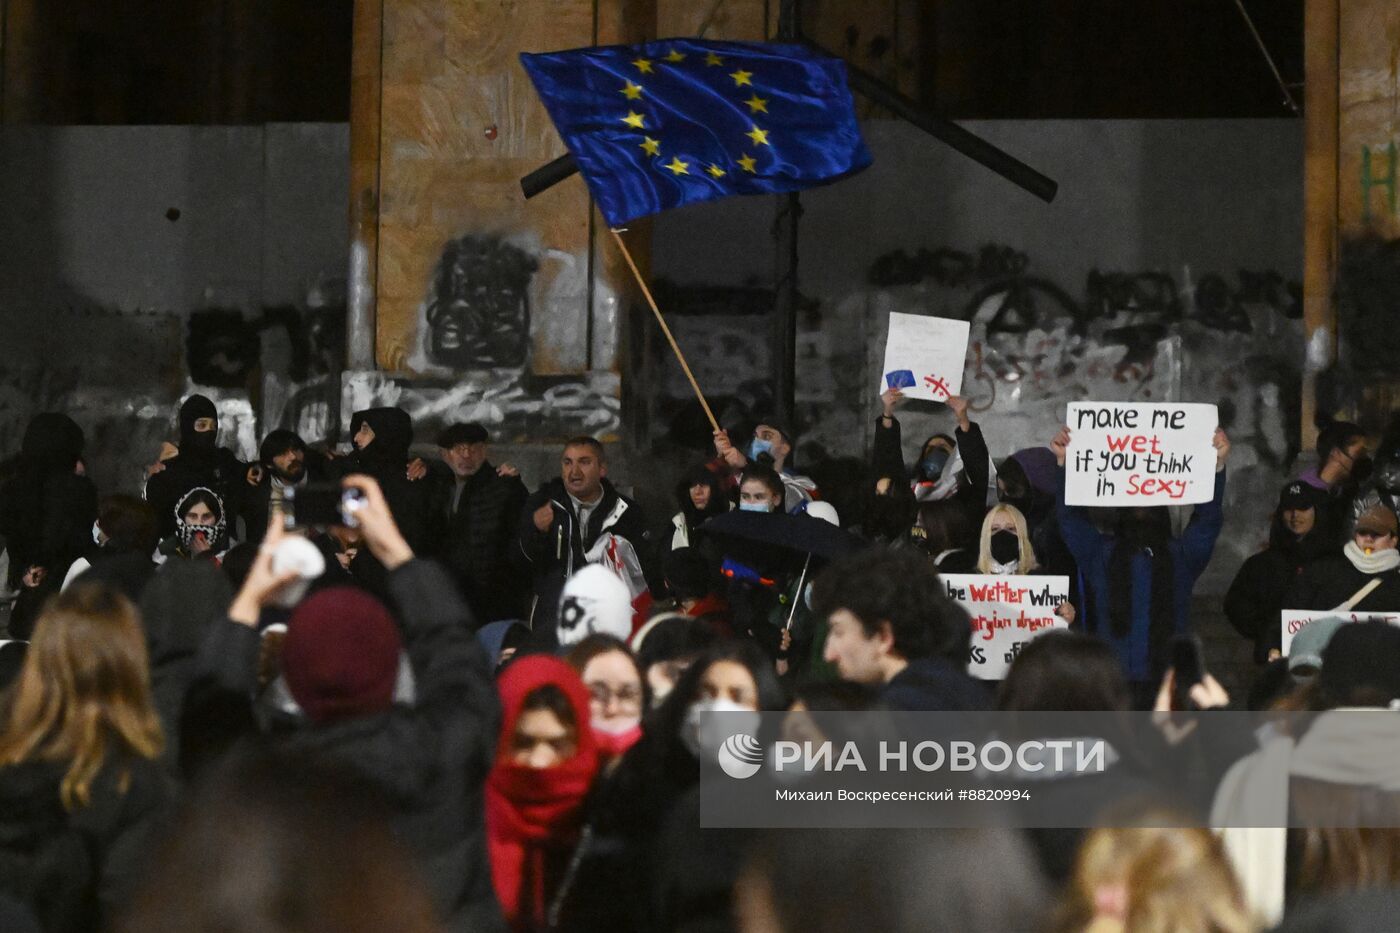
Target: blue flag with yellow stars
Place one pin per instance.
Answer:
(676, 121)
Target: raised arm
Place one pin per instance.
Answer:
(887, 454)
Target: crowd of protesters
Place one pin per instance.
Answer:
(458, 704)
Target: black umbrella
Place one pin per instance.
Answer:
(802, 534)
(766, 539)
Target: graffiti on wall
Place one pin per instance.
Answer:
(477, 314)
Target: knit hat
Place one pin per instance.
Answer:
(1301, 495)
(777, 424)
(1377, 520)
(594, 600)
(341, 655)
(1362, 657)
(1307, 646)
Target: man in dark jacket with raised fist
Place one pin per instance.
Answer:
(564, 521)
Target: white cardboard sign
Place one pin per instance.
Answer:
(924, 356)
(1295, 619)
(1123, 453)
(1007, 611)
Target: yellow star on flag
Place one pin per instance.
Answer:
(716, 171)
(643, 65)
(757, 104)
(741, 77)
(634, 118)
(746, 162)
(677, 166)
(759, 137)
(651, 146)
(631, 91)
(713, 59)
(675, 57)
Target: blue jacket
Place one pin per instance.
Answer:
(1092, 549)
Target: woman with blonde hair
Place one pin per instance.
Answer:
(1005, 547)
(1154, 879)
(80, 786)
(1005, 544)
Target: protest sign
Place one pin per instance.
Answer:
(924, 356)
(1134, 454)
(1007, 611)
(1295, 619)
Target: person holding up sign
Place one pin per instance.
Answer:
(1139, 579)
(952, 470)
(1363, 578)
(1005, 548)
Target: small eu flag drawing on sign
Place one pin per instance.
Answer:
(673, 122)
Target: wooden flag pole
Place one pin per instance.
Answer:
(675, 348)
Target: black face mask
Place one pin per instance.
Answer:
(202, 441)
(1006, 547)
(1361, 469)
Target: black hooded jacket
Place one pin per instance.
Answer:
(200, 462)
(430, 760)
(75, 870)
(386, 459)
(46, 509)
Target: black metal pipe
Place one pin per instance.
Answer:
(547, 176)
(969, 144)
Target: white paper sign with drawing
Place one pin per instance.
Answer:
(924, 356)
(1136, 454)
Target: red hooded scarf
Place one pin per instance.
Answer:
(533, 815)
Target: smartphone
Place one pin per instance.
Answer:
(320, 505)
(1188, 669)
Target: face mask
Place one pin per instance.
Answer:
(97, 536)
(759, 448)
(189, 532)
(1006, 547)
(931, 467)
(703, 734)
(203, 441)
(613, 742)
(754, 507)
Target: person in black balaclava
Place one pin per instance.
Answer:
(382, 437)
(200, 462)
(47, 508)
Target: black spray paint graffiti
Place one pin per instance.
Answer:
(223, 348)
(478, 310)
(1142, 306)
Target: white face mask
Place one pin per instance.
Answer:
(703, 734)
(616, 728)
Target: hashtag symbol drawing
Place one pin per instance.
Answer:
(937, 384)
(962, 795)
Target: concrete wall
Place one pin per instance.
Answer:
(115, 239)
(1166, 269)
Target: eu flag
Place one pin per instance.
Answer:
(675, 121)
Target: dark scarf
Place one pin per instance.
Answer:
(1156, 544)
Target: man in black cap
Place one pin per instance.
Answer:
(199, 462)
(773, 443)
(475, 509)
